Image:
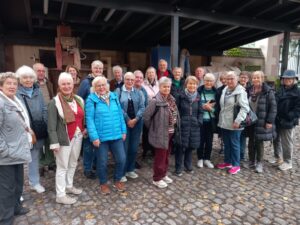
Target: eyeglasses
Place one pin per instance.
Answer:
(129, 80)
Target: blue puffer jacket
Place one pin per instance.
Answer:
(104, 122)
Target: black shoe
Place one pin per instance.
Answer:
(178, 173)
(21, 211)
(190, 171)
(137, 165)
(90, 175)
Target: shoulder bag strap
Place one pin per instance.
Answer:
(27, 107)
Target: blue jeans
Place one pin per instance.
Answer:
(33, 167)
(243, 145)
(232, 146)
(117, 149)
(131, 145)
(89, 154)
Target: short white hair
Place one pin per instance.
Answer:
(164, 80)
(117, 67)
(96, 80)
(232, 73)
(128, 74)
(25, 71)
(209, 76)
(138, 72)
(97, 63)
(64, 76)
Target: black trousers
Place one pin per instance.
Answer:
(206, 139)
(11, 188)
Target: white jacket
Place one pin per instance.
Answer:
(227, 104)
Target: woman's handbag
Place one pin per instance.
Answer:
(39, 127)
(251, 117)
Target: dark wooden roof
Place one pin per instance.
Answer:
(205, 26)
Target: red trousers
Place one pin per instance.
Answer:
(161, 161)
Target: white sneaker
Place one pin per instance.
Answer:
(74, 191)
(21, 199)
(38, 188)
(132, 175)
(167, 179)
(66, 200)
(200, 163)
(160, 184)
(123, 179)
(208, 164)
(275, 160)
(285, 166)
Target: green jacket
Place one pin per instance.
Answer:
(57, 127)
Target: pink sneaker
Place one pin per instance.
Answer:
(234, 170)
(224, 165)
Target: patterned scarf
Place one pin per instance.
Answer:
(191, 96)
(67, 110)
(172, 112)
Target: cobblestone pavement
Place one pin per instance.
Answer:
(209, 196)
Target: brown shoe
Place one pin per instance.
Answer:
(104, 188)
(119, 186)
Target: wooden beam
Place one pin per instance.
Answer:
(119, 23)
(74, 28)
(28, 15)
(63, 10)
(142, 27)
(95, 14)
(197, 14)
(195, 31)
(297, 9)
(266, 10)
(244, 40)
(243, 6)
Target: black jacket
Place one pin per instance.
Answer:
(266, 113)
(191, 120)
(175, 91)
(288, 107)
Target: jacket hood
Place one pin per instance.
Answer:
(238, 89)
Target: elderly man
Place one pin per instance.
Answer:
(199, 73)
(46, 87)
(163, 70)
(84, 91)
(117, 82)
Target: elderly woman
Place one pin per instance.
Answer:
(262, 102)
(107, 130)
(74, 71)
(133, 104)
(288, 113)
(152, 88)
(177, 82)
(66, 129)
(233, 94)
(15, 144)
(161, 117)
(190, 110)
(244, 81)
(207, 94)
(89, 154)
(32, 98)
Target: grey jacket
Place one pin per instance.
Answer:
(157, 121)
(227, 104)
(14, 144)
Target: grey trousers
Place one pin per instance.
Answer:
(284, 144)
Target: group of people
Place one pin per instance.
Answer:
(169, 112)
